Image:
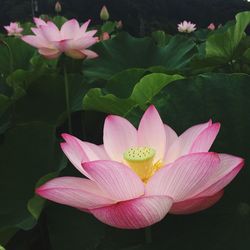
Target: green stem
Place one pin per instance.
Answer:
(10, 55)
(66, 84)
(148, 235)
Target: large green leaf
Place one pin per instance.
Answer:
(27, 152)
(15, 54)
(72, 229)
(124, 52)
(142, 94)
(221, 46)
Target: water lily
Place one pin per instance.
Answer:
(139, 175)
(72, 39)
(14, 29)
(186, 27)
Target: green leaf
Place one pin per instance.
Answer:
(6, 234)
(73, 229)
(221, 46)
(142, 94)
(122, 83)
(108, 27)
(161, 38)
(15, 54)
(27, 152)
(124, 52)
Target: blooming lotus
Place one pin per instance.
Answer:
(137, 176)
(14, 29)
(71, 39)
(186, 27)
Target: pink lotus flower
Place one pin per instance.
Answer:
(137, 176)
(72, 39)
(104, 36)
(211, 26)
(186, 27)
(14, 29)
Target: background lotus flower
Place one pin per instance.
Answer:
(72, 39)
(186, 27)
(137, 176)
(211, 26)
(104, 36)
(14, 29)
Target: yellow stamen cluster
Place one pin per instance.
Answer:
(141, 160)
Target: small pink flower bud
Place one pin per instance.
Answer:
(104, 36)
(104, 14)
(211, 26)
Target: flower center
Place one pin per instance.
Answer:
(141, 160)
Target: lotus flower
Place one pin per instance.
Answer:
(14, 29)
(104, 36)
(72, 39)
(211, 26)
(137, 176)
(186, 27)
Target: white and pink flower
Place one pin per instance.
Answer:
(72, 39)
(186, 27)
(14, 29)
(139, 175)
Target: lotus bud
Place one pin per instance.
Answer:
(104, 14)
(58, 7)
(104, 36)
(211, 26)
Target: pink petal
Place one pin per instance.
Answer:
(51, 32)
(75, 192)
(70, 29)
(118, 136)
(35, 41)
(84, 27)
(171, 137)
(39, 21)
(185, 141)
(116, 179)
(229, 167)
(89, 53)
(92, 151)
(78, 44)
(49, 53)
(206, 138)
(75, 54)
(151, 132)
(89, 34)
(73, 150)
(136, 213)
(195, 205)
(181, 179)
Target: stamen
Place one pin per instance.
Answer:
(140, 159)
